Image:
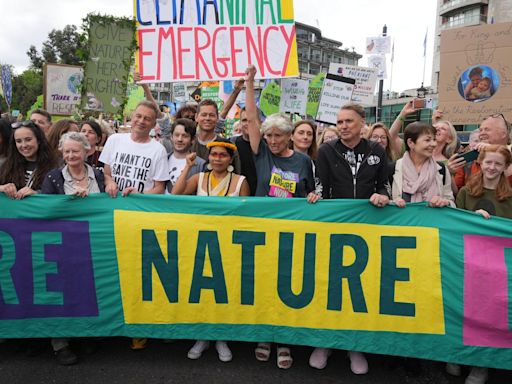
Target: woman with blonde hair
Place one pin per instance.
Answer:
(446, 138)
(328, 134)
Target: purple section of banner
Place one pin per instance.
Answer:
(486, 298)
(73, 279)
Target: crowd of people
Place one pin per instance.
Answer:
(271, 157)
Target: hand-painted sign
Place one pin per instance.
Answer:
(62, 85)
(215, 40)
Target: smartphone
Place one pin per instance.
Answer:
(422, 103)
(418, 103)
(470, 156)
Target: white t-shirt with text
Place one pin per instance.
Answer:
(134, 164)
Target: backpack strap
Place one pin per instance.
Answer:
(442, 171)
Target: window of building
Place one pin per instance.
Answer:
(316, 55)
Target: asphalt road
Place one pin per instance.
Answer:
(161, 363)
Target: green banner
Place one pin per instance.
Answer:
(111, 45)
(422, 282)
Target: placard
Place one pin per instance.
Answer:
(475, 78)
(378, 45)
(215, 40)
(111, 46)
(294, 96)
(179, 92)
(61, 84)
(336, 92)
(366, 79)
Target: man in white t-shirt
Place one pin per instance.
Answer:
(134, 163)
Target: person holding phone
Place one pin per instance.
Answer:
(494, 130)
(487, 193)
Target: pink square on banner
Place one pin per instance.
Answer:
(486, 299)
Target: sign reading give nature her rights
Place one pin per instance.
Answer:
(215, 40)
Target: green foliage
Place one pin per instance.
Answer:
(26, 88)
(61, 47)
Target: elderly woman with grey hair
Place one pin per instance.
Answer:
(76, 177)
(281, 172)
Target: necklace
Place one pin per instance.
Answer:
(227, 188)
(79, 179)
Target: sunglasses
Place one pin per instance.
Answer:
(496, 115)
(27, 123)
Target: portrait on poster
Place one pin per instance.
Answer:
(478, 83)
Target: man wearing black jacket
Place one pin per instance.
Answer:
(353, 167)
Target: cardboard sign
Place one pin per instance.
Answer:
(366, 79)
(294, 96)
(211, 40)
(336, 92)
(62, 88)
(475, 76)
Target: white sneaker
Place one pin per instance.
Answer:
(318, 358)
(478, 375)
(358, 363)
(453, 369)
(197, 350)
(224, 352)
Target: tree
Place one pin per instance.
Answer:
(26, 88)
(62, 47)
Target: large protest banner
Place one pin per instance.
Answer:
(215, 40)
(423, 282)
(61, 85)
(475, 76)
(110, 49)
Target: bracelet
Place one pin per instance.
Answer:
(401, 118)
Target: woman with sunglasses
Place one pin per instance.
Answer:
(218, 180)
(29, 159)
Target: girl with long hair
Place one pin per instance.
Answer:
(29, 159)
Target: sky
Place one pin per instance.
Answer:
(28, 22)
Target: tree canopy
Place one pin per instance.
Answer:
(61, 47)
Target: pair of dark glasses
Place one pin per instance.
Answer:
(27, 123)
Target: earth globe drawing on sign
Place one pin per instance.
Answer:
(74, 82)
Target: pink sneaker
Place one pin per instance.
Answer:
(358, 363)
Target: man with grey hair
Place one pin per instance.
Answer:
(493, 130)
(134, 163)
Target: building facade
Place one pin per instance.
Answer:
(466, 13)
(316, 52)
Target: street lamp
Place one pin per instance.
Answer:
(421, 92)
